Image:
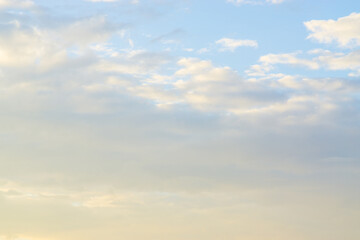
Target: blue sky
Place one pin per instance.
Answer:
(172, 120)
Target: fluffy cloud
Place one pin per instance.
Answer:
(22, 45)
(207, 88)
(344, 31)
(341, 61)
(228, 44)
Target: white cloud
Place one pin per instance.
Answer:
(23, 46)
(228, 44)
(345, 30)
(315, 59)
(207, 88)
(88, 31)
(341, 61)
(195, 83)
(288, 58)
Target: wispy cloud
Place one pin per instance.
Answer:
(229, 44)
(103, 134)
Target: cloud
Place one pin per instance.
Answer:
(44, 47)
(207, 88)
(88, 31)
(115, 140)
(228, 44)
(341, 61)
(195, 83)
(16, 3)
(288, 58)
(315, 60)
(136, 63)
(344, 31)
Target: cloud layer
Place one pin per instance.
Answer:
(108, 132)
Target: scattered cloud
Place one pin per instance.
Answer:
(207, 88)
(229, 44)
(344, 31)
(289, 59)
(315, 60)
(117, 135)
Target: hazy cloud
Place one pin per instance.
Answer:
(102, 138)
(228, 44)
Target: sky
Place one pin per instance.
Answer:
(179, 119)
